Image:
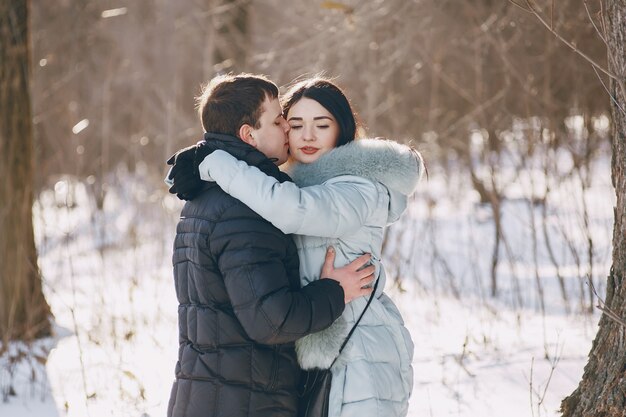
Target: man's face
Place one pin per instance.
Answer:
(271, 137)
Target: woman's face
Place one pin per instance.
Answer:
(314, 131)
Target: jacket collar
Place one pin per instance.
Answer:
(398, 167)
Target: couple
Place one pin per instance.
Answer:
(254, 307)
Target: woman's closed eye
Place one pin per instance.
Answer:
(295, 127)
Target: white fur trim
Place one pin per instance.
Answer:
(398, 167)
(318, 350)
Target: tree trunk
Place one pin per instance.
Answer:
(232, 44)
(24, 312)
(602, 391)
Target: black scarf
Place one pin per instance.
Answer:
(244, 152)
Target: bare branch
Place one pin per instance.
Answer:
(569, 44)
(468, 116)
(600, 34)
(613, 99)
(532, 364)
(610, 314)
(602, 16)
(605, 309)
(520, 6)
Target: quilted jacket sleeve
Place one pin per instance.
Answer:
(334, 209)
(250, 254)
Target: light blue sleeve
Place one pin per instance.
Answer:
(334, 209)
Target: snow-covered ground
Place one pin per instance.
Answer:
(108, 280)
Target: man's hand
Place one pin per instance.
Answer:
(352, 277)
(183, 177)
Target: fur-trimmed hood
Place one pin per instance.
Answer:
(398, 167)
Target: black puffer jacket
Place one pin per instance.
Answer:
(241, 305)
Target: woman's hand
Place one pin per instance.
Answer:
(355, 278)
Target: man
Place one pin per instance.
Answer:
(237, 276)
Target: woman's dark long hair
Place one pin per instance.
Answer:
(331, 98)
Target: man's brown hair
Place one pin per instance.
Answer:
(229, 101)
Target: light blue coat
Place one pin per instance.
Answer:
(347, 198)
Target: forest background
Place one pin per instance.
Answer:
(510, 104)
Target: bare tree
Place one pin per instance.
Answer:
(24, 312)
(602, 391)
(117, 90)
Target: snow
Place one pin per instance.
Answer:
(471, 360)
(107, 277)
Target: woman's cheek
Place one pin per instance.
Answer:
(292, 142)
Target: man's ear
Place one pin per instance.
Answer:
(245, 134)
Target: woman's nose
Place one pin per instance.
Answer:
(307, 134)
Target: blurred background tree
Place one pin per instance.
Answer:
(24, 312)
(481, 87)
(477, 85)
(431, 71)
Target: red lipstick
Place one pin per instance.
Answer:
(309, 150)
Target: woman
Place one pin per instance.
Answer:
(350, 191)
